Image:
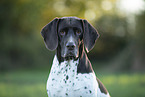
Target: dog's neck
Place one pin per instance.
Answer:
(83, 66)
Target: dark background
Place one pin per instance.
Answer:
(120, 48)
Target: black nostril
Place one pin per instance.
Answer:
(70, 45)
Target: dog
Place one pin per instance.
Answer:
(71, 73)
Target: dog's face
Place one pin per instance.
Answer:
(68, 33)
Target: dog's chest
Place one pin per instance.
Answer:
(64, 81)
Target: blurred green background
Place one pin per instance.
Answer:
(118, 57)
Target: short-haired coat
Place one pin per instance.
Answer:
(71, 73)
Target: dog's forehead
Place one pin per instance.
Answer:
(70, 22)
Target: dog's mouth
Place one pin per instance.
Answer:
(70, 55)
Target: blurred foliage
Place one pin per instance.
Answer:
(121, 42)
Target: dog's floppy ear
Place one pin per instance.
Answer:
(90, 35)
(49, 33)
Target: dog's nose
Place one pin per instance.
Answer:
(70, 45)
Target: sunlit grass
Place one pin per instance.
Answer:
(23, 84)
(33, 84)
(125, 85)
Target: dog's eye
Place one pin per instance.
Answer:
(78, 32)
(62, 33)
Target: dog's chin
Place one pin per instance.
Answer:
(70, 56)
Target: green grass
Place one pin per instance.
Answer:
(23, 84)
(125, 85)
(33, 83)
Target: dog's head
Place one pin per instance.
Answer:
(69, 33)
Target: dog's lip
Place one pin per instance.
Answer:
(70, 55)
(70, 58)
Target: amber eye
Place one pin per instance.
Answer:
(62, 33)
(78, 32)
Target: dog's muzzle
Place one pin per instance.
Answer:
(71, 51)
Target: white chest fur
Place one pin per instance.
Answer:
(64, 81)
